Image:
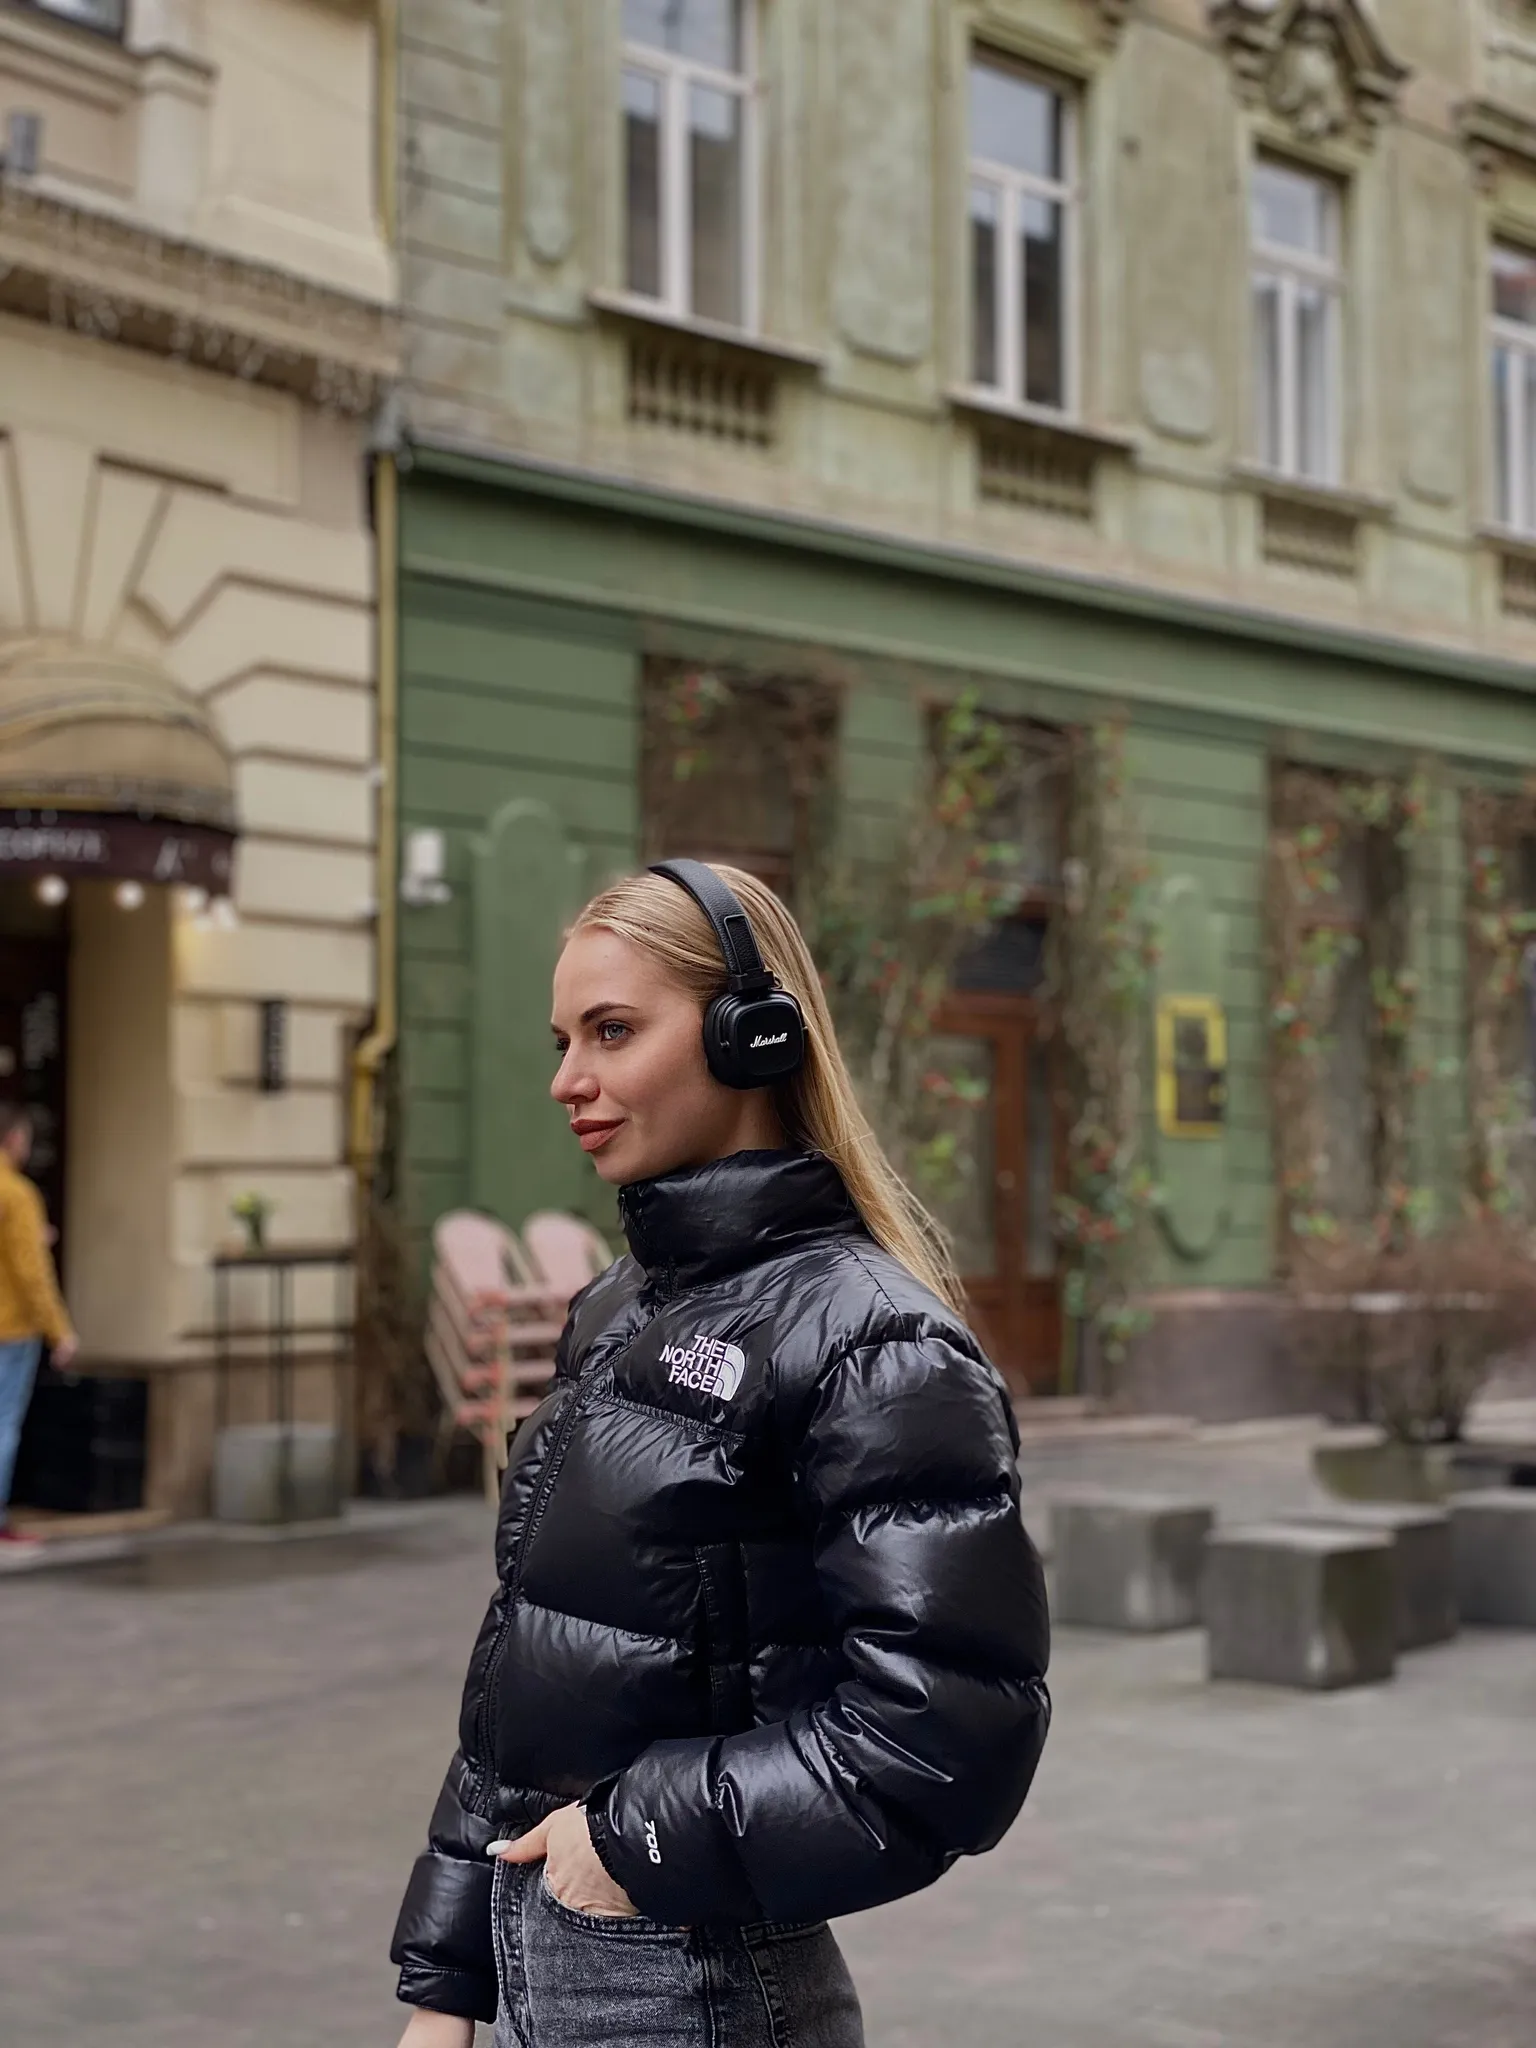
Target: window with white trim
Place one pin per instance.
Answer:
(1513, 292)
(109, 16)
(690, 214)
(1298, 290)
(1023, 234)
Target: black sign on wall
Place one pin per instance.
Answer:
(272, 1046)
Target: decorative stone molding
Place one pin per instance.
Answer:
(103, 275)
(1494, 136)
(1320, 66)
(1113, 15)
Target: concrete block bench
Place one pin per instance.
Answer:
(1125, 1560)
(249, 1482)
(1423, 1563)
(1495, 1535)
(1311, 1607)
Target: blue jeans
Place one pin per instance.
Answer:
(571, 1980)
(18, 1369)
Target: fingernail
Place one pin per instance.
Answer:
(497, 1848)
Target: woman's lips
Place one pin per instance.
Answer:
(593, 1134)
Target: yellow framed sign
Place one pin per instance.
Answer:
(1191, 1067)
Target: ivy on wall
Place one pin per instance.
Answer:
(1500, 929)
(888, 933)
(1327, 828)
(1103, 953)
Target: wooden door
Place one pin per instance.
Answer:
(1000, 1213)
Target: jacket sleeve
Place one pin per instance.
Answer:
(23, 1231)
(906, 1462)
(443, 1941)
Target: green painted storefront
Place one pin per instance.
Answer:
(530, 597)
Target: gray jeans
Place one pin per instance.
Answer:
(570, 1980)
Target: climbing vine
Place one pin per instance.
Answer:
(887, 934)
(1103, 953)
(1500, 931)
(1329, 831)
(738, 767)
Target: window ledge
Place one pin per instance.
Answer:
(1339, 499)
(629, 311)
(1091, 439)
(1509, 540)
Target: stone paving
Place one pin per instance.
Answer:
(216, 1763)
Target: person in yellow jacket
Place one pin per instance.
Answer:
(31, 1310)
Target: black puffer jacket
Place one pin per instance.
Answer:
(765, 1599)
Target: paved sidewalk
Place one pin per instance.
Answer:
(216, 1763)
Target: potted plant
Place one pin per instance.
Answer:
(1409, 1334)
(252, 1212)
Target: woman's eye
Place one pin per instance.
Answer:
(610, 1031)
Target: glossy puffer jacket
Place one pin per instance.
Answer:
(766, 1602)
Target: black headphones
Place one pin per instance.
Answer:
(754, 1034)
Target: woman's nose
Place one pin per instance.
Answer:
(570, 1085)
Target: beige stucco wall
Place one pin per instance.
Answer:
(218, 525)
(247, 126)
(121, 1123)
(241, 560)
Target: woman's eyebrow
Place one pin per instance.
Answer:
(590, 1016)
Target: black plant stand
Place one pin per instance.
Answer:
(280, 1267)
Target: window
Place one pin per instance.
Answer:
(1514, 387)
(689, 157)
(1296, 322)
(106, 15)
(1022, 232)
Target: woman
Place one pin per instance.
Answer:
(769, 1641)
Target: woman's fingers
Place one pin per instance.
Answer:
(529, 1848)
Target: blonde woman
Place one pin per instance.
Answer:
(769, 1642)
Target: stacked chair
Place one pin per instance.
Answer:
(499, 1301)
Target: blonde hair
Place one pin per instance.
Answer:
(818, 1106)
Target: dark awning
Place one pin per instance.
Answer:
(108, 767)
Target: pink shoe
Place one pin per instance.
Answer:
(17, 1538)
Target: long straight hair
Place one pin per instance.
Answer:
(817, 1106)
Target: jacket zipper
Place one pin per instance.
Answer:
(514, 1585)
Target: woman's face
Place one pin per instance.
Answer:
(632, 1073)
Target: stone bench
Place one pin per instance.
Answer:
(1126, 1560)
(249, 1481)
(1289, 1604)
(1423, 1563)
(1495, 1536)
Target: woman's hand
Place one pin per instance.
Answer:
(437, 2030)
(571, 1866)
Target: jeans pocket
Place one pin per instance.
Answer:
(631, 1925)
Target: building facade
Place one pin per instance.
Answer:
(196, 324)
(1164, 361)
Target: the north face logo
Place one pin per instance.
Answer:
(709, 1365)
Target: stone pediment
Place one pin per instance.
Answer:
(1319, 66)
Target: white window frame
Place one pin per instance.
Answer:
(1518, 338)
(1012, 187)
(1288, 269)
(101, 17)
(675, 77)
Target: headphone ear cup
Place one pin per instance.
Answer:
(753, 1041)
(718, 1043)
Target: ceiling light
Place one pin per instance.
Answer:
(52, 890)
(128, 895)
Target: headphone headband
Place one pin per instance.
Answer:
(728, 919)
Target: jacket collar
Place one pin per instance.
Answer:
(704, 1222)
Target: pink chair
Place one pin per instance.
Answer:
(564, 1252)
(481, 1330)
